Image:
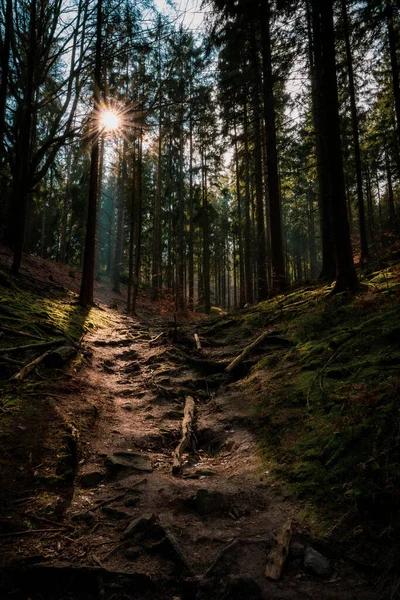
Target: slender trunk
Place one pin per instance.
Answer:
(181, 225)
(242, 290)
(261, 239)
(136, 277)
(191, 227)
(206, 237)
(22, 181)
(328, 270)
(131, 236)
(277, 255)
(356, 137)
(5, 69)
(248, 227)
(87, 283)
(346, 277)
(120, 221)
(393, 38)
(391, 208)
(97, 259)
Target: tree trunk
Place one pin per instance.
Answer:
(86, 292)
(393, 35)
(328, 270)
(346, 277)
(242, 295)
(138, 211)
(206, 236)
(248, 228)
(262, 286)
(277, 255)
(356, 137)
(5, 69)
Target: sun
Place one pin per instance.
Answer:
(109, 120)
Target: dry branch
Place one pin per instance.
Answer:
(32, 346)
(278, 555)
(246, 352)
(187, 428)
(24, 372)
(20, 333)
(197, 340)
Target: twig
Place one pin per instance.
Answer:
(31, 346)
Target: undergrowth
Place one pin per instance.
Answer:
(329, 409)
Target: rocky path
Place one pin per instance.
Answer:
(135, 530)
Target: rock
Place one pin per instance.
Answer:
(127, 407)
(129, 460)
(91, 479)
(240, 587)
(170, 549)
(208, 502)
(114, 513)
(139, 525)
(316, 564)
(296, 550)
(60, 357)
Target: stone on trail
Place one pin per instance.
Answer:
(316, 564)
(60, 357)
(129, 460)
(139, 525)
(208, 502)
(91, 479)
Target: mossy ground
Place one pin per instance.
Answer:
(329, 406)
(43, 417)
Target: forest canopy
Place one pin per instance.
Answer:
(216, 152)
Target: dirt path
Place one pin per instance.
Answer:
(135, 530)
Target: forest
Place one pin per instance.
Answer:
(199, 299)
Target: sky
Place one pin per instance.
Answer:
(187, 12)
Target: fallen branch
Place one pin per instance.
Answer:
(24, 372)
(32, 346)
(278, 555)
(198, 342)
(187, 428)
(219, 556)
(235, 363)
(154, 340)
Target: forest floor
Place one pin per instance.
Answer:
(90, 507)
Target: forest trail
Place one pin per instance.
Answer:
(135, 530)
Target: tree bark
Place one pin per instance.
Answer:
(277, 255)
(346, 277)
(356, 137)
(87, 283)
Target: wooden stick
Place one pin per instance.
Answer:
(278, 555)
(154, 340)
(24, 372)
(187, 423)
(197, 340)
(246, 352)
(32, 346)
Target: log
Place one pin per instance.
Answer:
(187, 428)
(198, 342)
(246, 352)
(32, 346)
(24, 372)
(278, 555)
